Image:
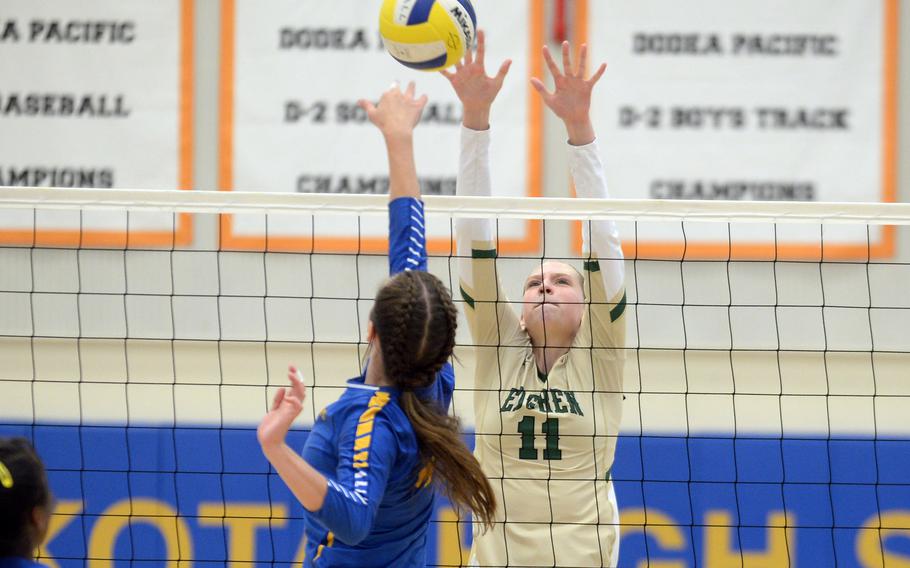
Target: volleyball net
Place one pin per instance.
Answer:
(766, 388)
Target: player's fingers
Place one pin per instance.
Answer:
(566, 59)
(410, 91)
(422, 101)
(276, 401)
(551, 64)
(582, 60)
(598, 74)
(539, 87)
(447, 74)
(297, 392)
(481, 46)
(367, 106)
(503, 70)
(468, 55)
(297, 387)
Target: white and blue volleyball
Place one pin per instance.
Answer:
(427, 34)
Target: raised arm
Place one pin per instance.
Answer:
(491, 319)
(570, 100)
(307, 484)
(476, 91)
(345, 506)
(396, 116)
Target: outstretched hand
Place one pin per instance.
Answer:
(571, 96)
(474, 88)
(286, 406)
(397, 112)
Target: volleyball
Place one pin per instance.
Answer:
(427, 34)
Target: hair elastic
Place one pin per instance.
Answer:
(6, 478)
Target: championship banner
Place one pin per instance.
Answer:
(96, 93)
(766, 100)
(292, 73)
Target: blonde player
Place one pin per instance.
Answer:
(548, 380)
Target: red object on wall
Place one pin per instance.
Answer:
(559, 21)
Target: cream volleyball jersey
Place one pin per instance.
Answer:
(545, 441)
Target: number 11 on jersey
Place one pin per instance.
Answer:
(550, 429)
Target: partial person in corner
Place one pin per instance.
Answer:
(25, 503)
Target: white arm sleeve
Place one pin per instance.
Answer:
(473, 180)
(490, 317)
(601, 238)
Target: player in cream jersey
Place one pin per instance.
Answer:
(549, 380)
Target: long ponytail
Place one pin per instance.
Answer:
(416, 320)
(441, 446)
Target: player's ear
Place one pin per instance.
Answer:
(371, 331)
(41, 521)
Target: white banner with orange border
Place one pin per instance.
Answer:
(95, 93)
(748, 100)
(292, 72)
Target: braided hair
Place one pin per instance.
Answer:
(23, 488)
(415, 319)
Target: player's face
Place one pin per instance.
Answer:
(553, 304)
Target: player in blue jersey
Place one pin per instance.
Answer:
(371, 462)
(25, 503)
(407, 233)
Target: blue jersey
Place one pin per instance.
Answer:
(378, 505)
(407, 236)
(379, 501)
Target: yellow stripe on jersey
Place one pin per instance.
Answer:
(425, 477)
(360, 459)
(329, 541)
(365, 429)
(369, 413)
